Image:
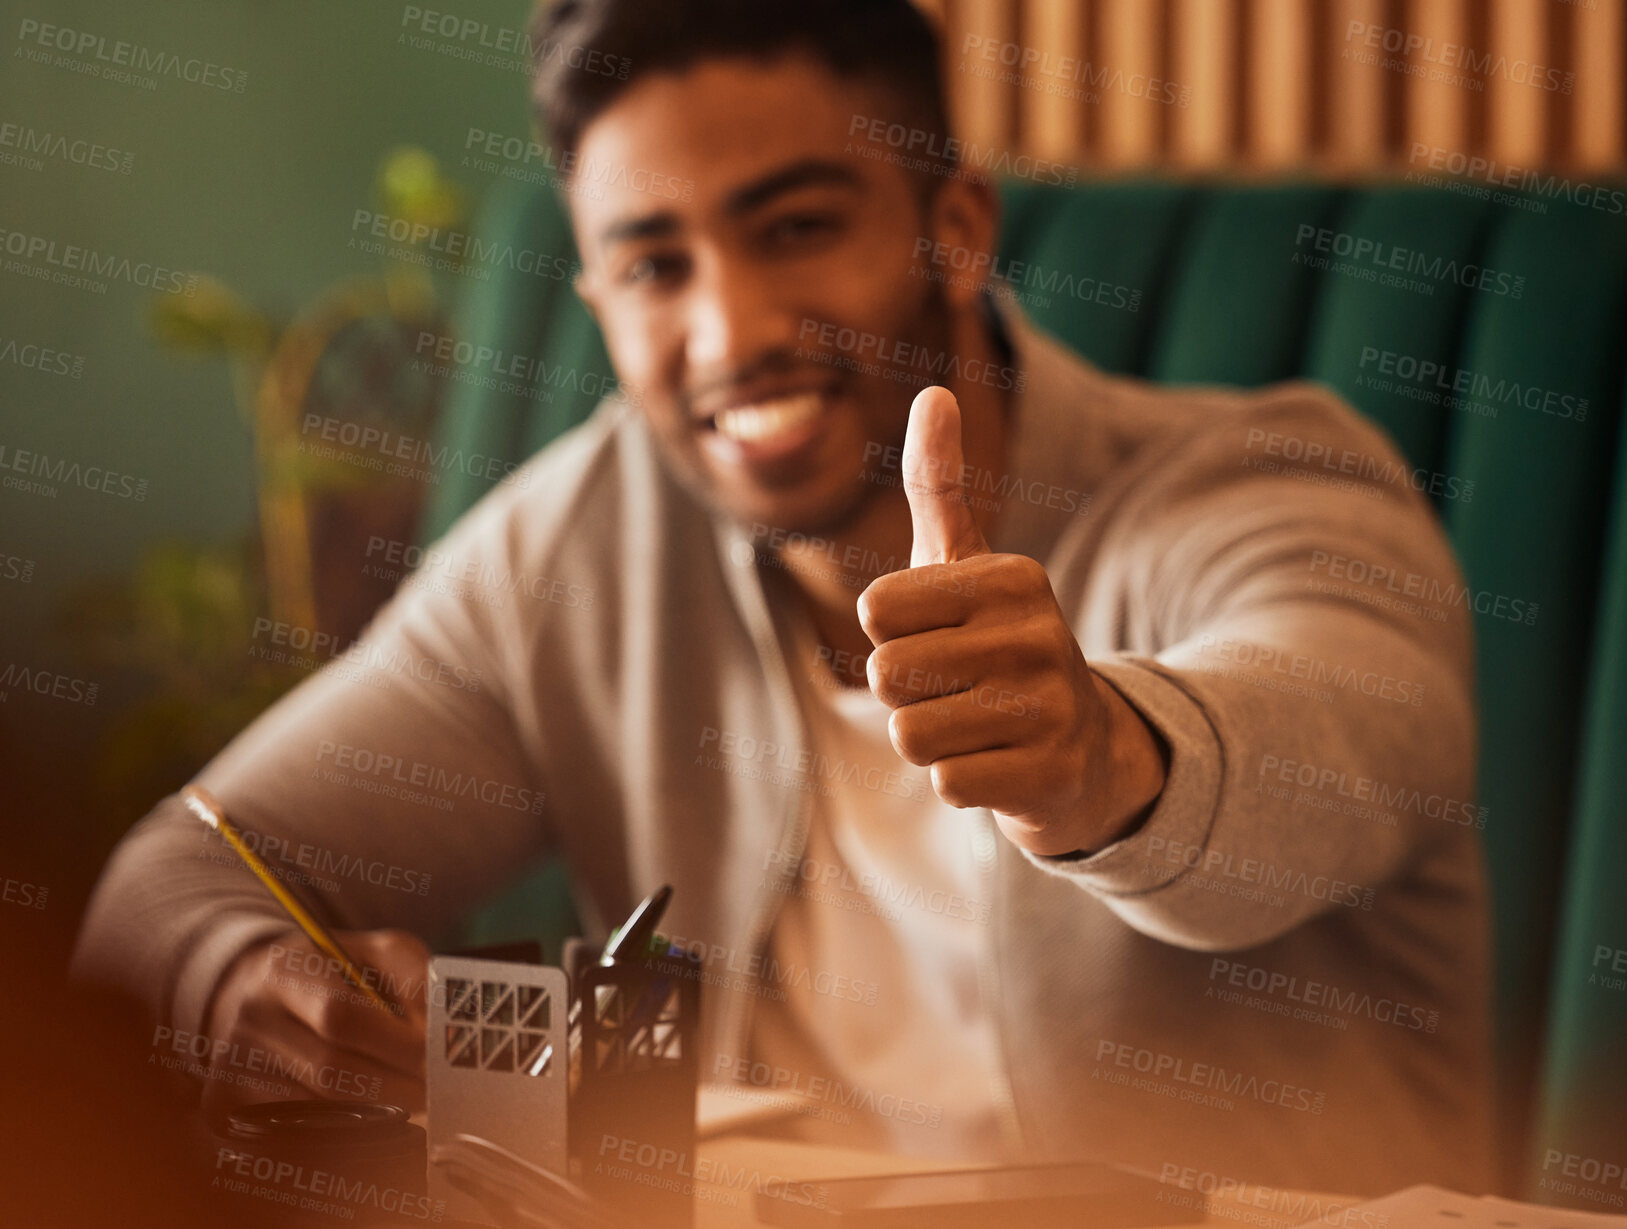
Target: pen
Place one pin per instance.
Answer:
(631, 941)
(637, 930)
(628, 938)
(207, 807)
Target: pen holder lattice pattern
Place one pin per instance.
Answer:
(496, 1064)
(634, 1071)
(592, 1078)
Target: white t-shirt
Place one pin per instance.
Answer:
(878, 948)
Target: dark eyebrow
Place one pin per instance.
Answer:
(810, 172)
(650, 226)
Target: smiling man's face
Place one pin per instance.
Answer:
(729, 312)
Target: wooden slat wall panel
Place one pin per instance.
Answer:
(1126, 58)
(1597, 117)
(1280, 83)
(1053, 120)
(1352, 92)
(1349, 86)
(1517, 113)
(1202, 64)
(1437, 108)
(982, 106)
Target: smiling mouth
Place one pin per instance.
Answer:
(767, 419)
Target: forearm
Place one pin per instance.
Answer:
(1276, 806)
(165, 920)
(382, 801)
(1214, 563)
(1131, 775)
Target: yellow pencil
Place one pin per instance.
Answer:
(207, 807)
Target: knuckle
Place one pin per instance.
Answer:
(1031, 572)
(879, 672)
(1057, 638)
(864, 607)
(896, 679)
(328, 1014)
(950, 786)
(869, 614)
(907, 737)
(1018, 576)
(397, 944)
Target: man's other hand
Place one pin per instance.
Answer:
(985, 679)
(284, 1014)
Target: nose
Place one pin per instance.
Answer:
(738, 313)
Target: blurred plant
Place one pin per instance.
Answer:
(273, 369)
(183, 625)
(184, 620)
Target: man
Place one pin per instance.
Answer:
(917, 655)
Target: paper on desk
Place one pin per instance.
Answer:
(1434, 1207)
(727, 1109)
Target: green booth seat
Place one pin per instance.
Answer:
(1505, 393)
(1583, 1108)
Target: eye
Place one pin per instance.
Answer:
(655, 268)
(798, 228)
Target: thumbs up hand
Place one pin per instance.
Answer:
(933, 466)
(983, 674)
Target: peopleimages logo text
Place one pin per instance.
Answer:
(118, 54)
(77, 151)
(1439, 595)
(946, 152)
(1461, 382)
(1209, 1076)
(1418, 51)
(95, 478)
(76, 258)
(1240, 976)
(1363, 250)
(456, 245)
(416, 774)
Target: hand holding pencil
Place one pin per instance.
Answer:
(341, 1013)
(207, 807)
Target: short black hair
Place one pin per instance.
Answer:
(586, 52)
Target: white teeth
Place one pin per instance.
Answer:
(767, 418)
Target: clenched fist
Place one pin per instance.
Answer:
(984, 677)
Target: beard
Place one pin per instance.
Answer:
(927, 331)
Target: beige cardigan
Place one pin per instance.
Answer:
(1282, 977)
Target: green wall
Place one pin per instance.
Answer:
(256, 187)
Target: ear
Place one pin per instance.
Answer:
(965, 218)
(589, 287)
(589, 280)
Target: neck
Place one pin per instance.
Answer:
(831, 571)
